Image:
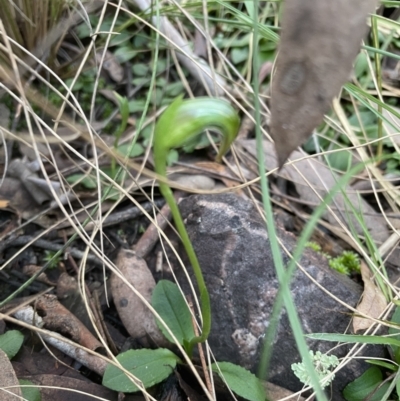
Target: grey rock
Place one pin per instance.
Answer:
(232, 245)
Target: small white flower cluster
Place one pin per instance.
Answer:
(323, 366)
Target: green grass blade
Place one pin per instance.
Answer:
(276, 252)
(354, 339)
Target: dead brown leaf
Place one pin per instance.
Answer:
(135, 315)
(193, 181)
(111, 65)
(16, 198)
(70, 296)
(312, 178)
(319, 42)
(230, 176)
(220, 171)
(9, 386)
(31, 270)
(37, 187)
(4, 204)
(200, 45)
(373, 301)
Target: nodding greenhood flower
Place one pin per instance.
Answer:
(180, 122)
(323, 364)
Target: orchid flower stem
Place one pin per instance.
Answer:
(204, 295)
(180, 122)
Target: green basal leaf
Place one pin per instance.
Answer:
(11, 342)
(112, 193)
(240, 381)
(161, 65)
(125, 53)
(140, 41)
(121, 38)
(341, 160)
(392, 331)
(140, 69)
(135, 150)
(174, 89)
(361, 65)
(83, 179)
(139, 81)
(362, 387)
(168, 301)
(238, 55)
(136, 105)
(124, 112)
(249, 8)
(147, 365)
(30, 393)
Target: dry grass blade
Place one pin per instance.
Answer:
(318, 45)
(36, 26)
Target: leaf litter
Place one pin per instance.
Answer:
(290, 77)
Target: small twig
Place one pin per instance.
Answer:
(151, 235)
(96, 320)
(50, 246)
(124, 215)
(58, 318)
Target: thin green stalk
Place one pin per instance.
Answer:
(124, 113)
(276, 253)
(378, 73)
(381, 52)
(203, 292)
